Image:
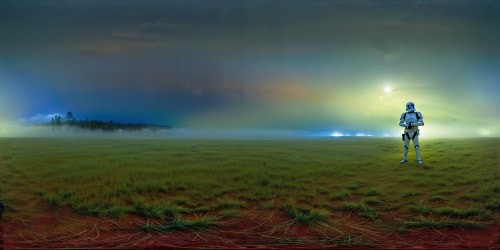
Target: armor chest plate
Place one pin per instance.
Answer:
(411, 117)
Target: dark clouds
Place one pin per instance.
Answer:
(240, 27)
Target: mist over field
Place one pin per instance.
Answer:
(40, 125)
(30, 130)
(42, 128)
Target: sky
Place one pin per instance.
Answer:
(327, 67)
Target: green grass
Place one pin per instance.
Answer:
(371, 192)
(156, 210)
(323, 191)
(230, 214)
(436, 198)
(360, 208)
(421, 208)
(493, 206)
(341, 195)
(166, 179)
(229, 204)
(355, 185)
(425, 209)
(471, 212)
(372, 201)
(181, 201)
(307, 216)
(409, 194)
(425, 223)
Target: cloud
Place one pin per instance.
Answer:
(39, 118)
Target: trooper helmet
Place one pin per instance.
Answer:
(410, 107)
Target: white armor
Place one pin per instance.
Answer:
(410, 120)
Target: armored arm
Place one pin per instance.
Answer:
(420, 120)
(402, 120)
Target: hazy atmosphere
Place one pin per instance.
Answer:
(306, 67)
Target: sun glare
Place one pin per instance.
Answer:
(336, 134)
(387, 89)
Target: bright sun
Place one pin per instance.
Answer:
(387, 89)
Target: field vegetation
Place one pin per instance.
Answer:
(202, 184)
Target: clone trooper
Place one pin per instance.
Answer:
(410, 120)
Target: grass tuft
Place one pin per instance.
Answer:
(437, 198)
(181, 201)
(472, 212)
(425, 223)
(262, 195)
(421, 208)
(371, 201)
(341, 196)
(54, 200)
(158, 211)
(371, 192)
(146, 187)
(470, 198)
(230, 204)
(409, 194)
(116, 211)
(493, 206)
(353, 186)
(360, 208)
(89, 209)
(230, 214)
(306, 216)
(323, 191)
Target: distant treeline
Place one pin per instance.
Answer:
(111, 126)
(69, 120)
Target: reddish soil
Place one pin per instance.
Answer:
(64, 228)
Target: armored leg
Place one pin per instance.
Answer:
(417, 149)
(405, 147)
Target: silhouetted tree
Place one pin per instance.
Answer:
(69, 117)
(57, 120)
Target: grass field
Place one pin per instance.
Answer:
(199, 184)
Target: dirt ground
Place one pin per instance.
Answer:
(64, 228)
